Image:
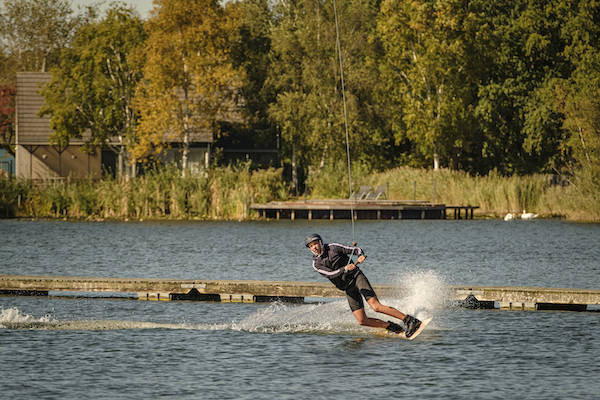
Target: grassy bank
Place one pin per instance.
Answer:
(495, 194)
(222, 193)
(226, 193)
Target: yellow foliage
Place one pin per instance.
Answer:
(189, 80)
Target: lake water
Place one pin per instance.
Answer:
(107, 349)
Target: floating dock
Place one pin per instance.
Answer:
(363, 209)
(247, 291)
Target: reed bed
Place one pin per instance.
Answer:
(496, 195)
(220, 193)
(226, 193)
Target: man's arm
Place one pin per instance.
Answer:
(327, 273)
(351, 250)
(355, 250)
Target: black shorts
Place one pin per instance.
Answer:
(361, 287)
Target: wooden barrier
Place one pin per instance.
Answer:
(503, 297)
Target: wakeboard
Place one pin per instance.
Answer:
(402, 335)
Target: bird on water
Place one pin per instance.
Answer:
(528, 216)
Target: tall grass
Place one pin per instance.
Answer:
(496, 195)
(220, 193)
(227, 193)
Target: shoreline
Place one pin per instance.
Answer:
(226, 194)
(477, 217)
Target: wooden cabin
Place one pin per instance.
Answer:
(38, 159)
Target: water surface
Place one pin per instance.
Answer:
(109, 349)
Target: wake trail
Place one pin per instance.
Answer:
(425, 295)
(13, 318)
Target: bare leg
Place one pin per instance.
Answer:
(380, 308)
(363, 320)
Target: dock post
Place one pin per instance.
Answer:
(277, 215)
(331, 214)
(293, 215)
(310, 215)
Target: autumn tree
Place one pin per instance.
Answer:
(189, 79)
(7, 118)
(92, 89)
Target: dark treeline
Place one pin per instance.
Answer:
(480, 85)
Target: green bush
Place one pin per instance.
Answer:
(12, 193)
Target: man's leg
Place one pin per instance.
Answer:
(357, 306)
(361, 288)
(366, 290)
(383, 309)
(411, 324)
(363, 320)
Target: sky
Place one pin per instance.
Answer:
(142, 6)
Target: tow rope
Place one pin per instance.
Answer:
(339, 51)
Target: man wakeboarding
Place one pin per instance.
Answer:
(332, 260)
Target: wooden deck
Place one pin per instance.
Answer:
(363, 209)
(505, 297)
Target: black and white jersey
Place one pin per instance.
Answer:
(332, 261)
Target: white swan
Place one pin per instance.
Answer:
(509, 217)
(528, 216)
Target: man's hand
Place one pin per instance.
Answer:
(352, 266)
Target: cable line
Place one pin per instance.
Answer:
(339, 51)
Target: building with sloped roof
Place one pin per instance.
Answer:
(36, 158)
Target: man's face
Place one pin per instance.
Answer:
(315, 247)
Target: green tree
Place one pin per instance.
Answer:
(305, 73)
(91, 91)
(428, 69)
(522, 133)
(251, 46)
(189, 79)
(35, 31)
(577, 98)
(32, 34)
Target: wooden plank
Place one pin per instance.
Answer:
(508, 297)
(372, 209)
